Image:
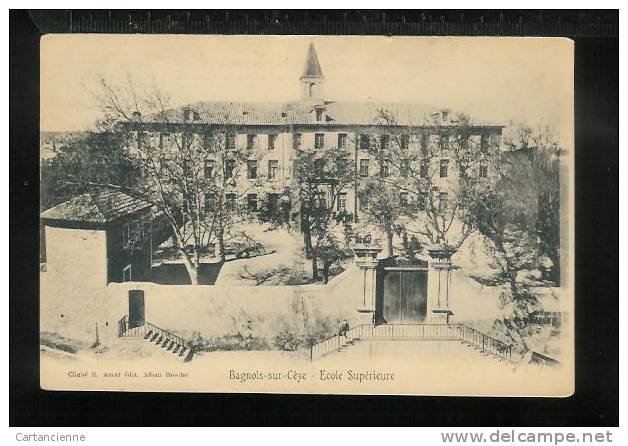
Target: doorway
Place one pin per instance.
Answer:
(403, 296)
(136, 308)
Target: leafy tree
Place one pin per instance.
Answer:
(433, 176)
(321, 175)
(92, 158)
(384, 207)
(518, 217)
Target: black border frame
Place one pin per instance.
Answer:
(596, 400)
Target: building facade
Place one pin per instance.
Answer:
(99, 237)
(271, 134)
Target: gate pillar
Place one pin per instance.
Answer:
(439, 285)
(366, 260)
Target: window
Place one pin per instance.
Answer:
(423, 172)
(364, 167)
(251, 202)
(403, 198)
(404, 168)
(364, 142)
(188, 138)
(483, 143)
(229, 168)
(319, 114)
(442, 200)
(207, 141)
(251, 169)
(210, 201)
(319, 167)
(271, 141)
(251, 141)
(444, 168)
(321, 200)
(384, 168)
(209, 169)
(342, 140)
(483, 170)
(362, 201)
(425, 138)
(141, 140)
(404, 141)
(319, 140)
(230, 201)
(273, 169)
(230, 141)
(131, 234)
(384, 142)
(342, 202)
(342, 165)
(444, 141)
(296, 141)
(423, 199)
(163, 138)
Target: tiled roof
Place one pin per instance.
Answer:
(96, 207)
(297, 112)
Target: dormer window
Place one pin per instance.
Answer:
(319, 114)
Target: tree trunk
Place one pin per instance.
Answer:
(325, 272)
(191, 267)
(220, 245)
(314, 265)
(389, 242)
(307, 240)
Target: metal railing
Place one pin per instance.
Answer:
(143, 328)
(540, 359)
(484, 342)
(413, 332)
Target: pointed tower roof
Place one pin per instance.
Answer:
(312, 66)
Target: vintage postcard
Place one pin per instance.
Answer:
(307, 214)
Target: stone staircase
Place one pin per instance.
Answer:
(465, 337)
(178, 347)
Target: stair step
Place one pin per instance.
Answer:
(154, 337)
(170, 345)
(148, 335)
(176, 349)
(165, 343)
(182, 351)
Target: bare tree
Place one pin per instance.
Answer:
(188, 167)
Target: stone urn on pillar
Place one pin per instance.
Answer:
(439, 286)
(366, 259)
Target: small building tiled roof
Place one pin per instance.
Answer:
(99, 207)
(299, 113)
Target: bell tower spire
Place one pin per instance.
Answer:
(312, 79)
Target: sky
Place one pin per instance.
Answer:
(499, 80)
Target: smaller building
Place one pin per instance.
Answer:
(99, 237)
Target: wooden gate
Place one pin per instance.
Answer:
(402, 293)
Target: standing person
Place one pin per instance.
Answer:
(343, 328)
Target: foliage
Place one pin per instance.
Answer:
(434, 209)
(229, 342)
(93, 158)
(519, 219)
(321, 176)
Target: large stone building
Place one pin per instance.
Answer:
(271, 133)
